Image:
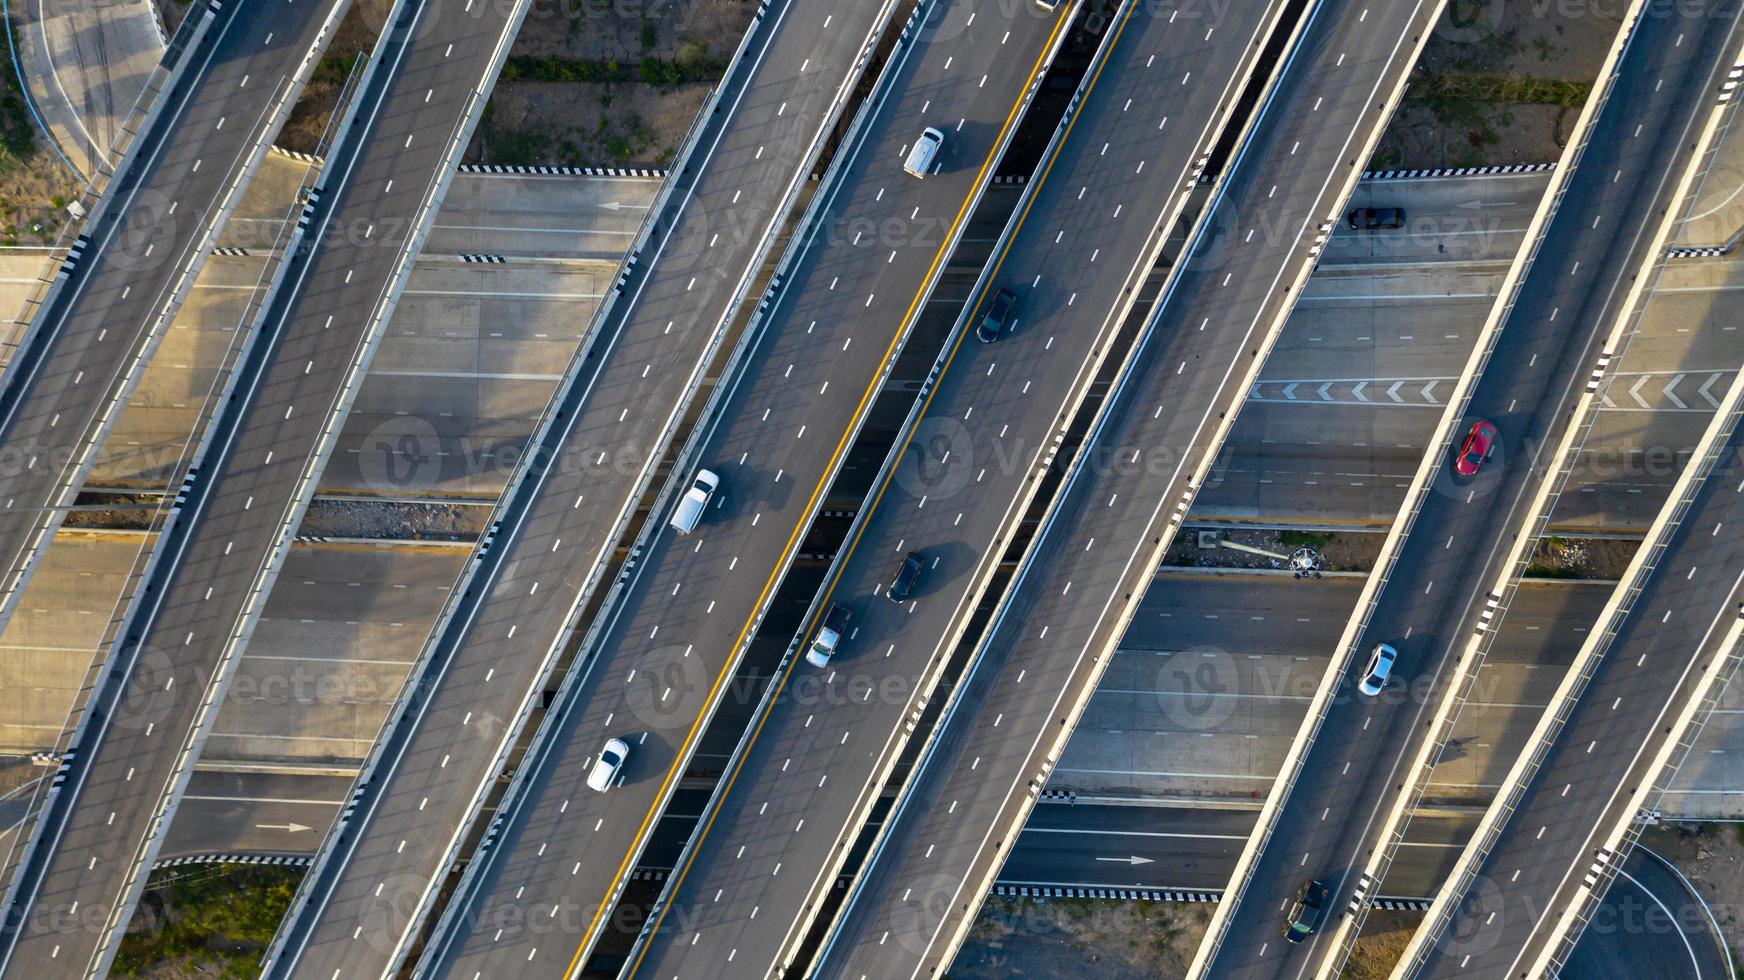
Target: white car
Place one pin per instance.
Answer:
(829, 636)
(688, 514)
(1379, 669)
(610, 762)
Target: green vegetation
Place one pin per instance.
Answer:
(691, 67)
(1304, 539)
(214, 919)
(17, 130)
(1455, 88)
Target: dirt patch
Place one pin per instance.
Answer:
(607, 82)
(1384, 938)
(389, 520)
(1711, 855)
(314, 109)
(1071, 938)
(585, 123)
(35, 184)
(1350, 552)
(629, 30)
(1492, 90)
(1587, 558)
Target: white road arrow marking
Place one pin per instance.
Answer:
(1674, 399)
(1393, 391)
(614, 206)
(1321, 391)
(1635, 391)
(1290, 391)
(1358, 391)
(294, 828)
(1703, 390)
(1134, 859)
(1428, 392)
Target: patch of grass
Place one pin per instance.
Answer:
(651, 70)
(216, 919)
(1304, 539)
(1551, 571)
(650, 35)
(518, 147)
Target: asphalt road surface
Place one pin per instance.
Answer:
(221, 551)
(1068, 608)
(668, 641)
(87, 347)
(1600, 767)
(1086, 240)
(476, 678)
(1330, 827)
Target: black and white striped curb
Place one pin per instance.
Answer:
(1363, 885)
(1085, 891)
(1597, 871)
(486, 259)
(1703, 252)
(659, 173)
(1733, 77)
(1509, 168)
(542, 171)
(298, 155)
(74, 254)
(1059, 794)
(272, 860)
(229, 250)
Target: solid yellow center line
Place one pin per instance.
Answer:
(781, 681)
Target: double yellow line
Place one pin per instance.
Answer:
(926, 403)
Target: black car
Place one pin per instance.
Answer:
(1370, 219)
(907, 577)
(1305, 914)
(1001, 313)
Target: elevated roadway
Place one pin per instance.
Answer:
(205, 126)
(201, 592)
(655, 663)
(1458, 545)
(1148, 453)
(1092, 225)
(602, 435)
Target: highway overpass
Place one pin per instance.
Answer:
(627, 386)
(206, 118)
(1093, 223)
(202, 589)
(1145, 458)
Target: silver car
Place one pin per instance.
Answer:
(1379, 669)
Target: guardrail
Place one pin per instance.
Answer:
(564, 700)
(80, 716)
(1501, 593)
(905, 434)
(1610, 622)
(84, 209)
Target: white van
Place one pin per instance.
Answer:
(690, 509)
(924, 153)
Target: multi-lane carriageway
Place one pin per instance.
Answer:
(1010, 715)
(1560, 320)
(672, 632)
(138, 254)
(214, 563)
(487, 658)
(1090, 229)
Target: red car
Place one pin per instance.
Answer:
(1479, 442)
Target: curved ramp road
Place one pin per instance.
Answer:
(636, 372)
(151, 229)
(1010, 715)
(1548, 349)
(1085, 239)
(663, 650)
(215, 562)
